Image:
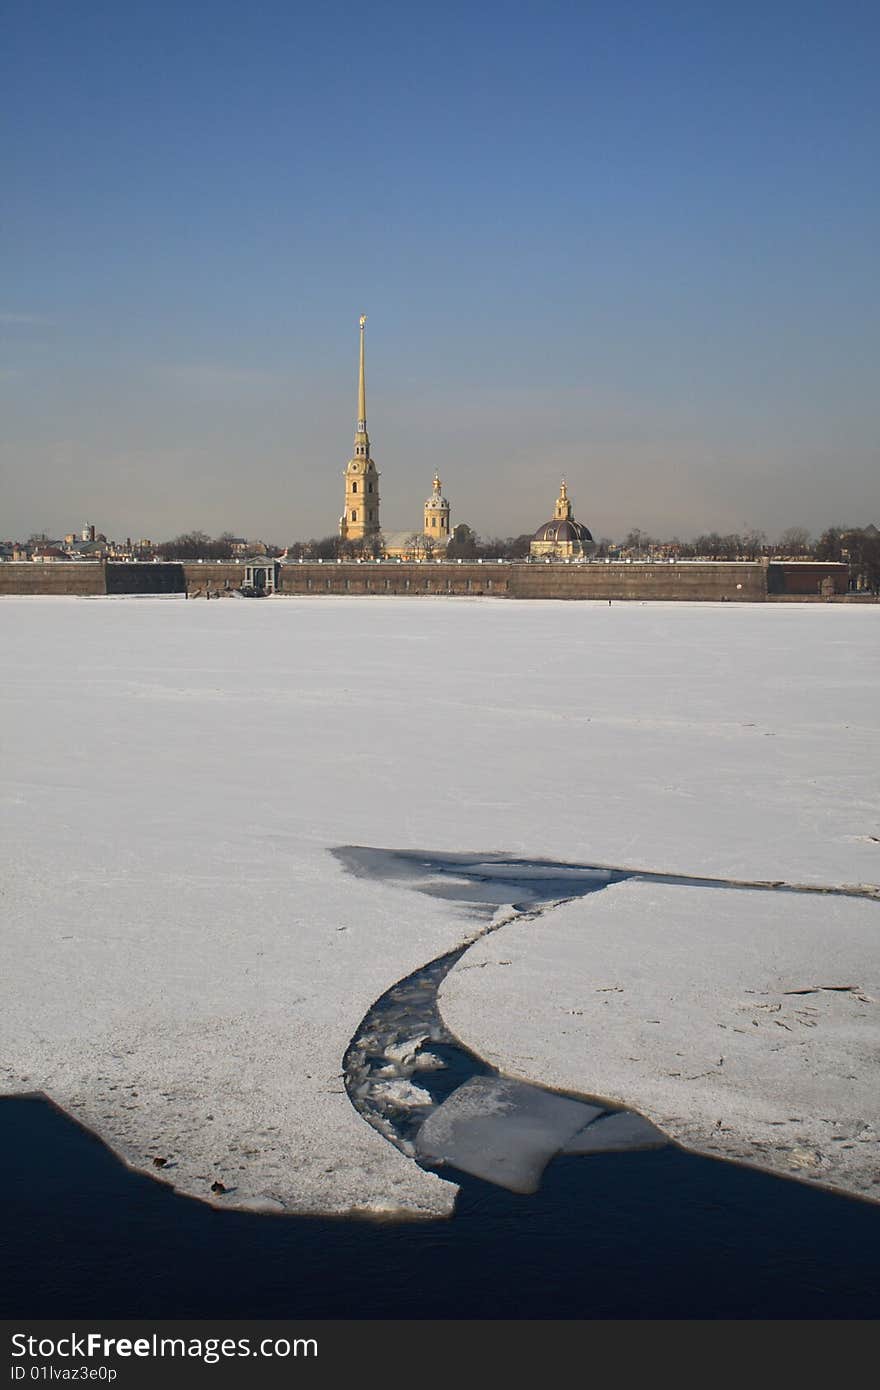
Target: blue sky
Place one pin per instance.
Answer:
(634, 243)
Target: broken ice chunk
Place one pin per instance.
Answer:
(428, 1061)
(403, 1050)
(614, 1133)
(400, 1093)
(502, 1131)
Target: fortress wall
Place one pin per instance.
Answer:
(60, 577)
(695, 580)
(742, 581)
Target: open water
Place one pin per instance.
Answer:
(660, 1234)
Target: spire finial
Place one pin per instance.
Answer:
(362, 389)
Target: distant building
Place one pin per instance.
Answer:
(43, 554)
(563, 538)
(89, 550)
(261, 574)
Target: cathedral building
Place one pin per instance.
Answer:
(563, 538)
(360, 517)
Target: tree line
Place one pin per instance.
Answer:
(858, 547)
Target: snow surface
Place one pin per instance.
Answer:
(185, 961)
(745, 1024)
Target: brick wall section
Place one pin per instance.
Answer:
(61, 577)
(165, 578)
(695, 580)
(805, 577)
(216, 574)
(417, 581)
(91, 577)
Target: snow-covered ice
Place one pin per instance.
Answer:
(745, 1024)
(184, 959)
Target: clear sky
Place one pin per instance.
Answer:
(633, 242)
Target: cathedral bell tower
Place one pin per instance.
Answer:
(360, 519)
(437, 514)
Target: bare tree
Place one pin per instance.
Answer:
(829, 546)
(752, 546)
(861, 548)
(794, 542)
(463, 545)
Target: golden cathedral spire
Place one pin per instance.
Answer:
(360, 519)
(362, 387)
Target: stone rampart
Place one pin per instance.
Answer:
(638, 582)
(695, 580)
(77, 578)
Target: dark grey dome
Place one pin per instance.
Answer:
(564, 531)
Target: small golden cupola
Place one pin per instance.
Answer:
(437, 514)
(563, 504)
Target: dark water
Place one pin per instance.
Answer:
(655, 1235)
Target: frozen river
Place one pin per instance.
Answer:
(186, 962)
